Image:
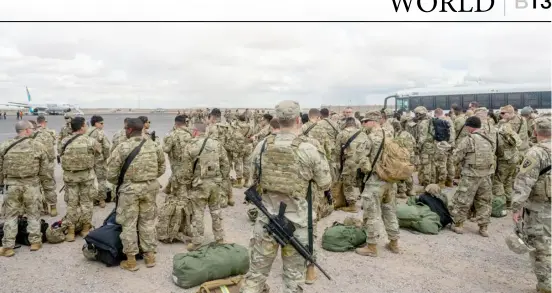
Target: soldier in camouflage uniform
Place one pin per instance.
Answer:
(136, 207)
(244, 147)
(531, 201)
(348, 112)
(443, 150)
(425, 147)
(378, 195)
(80, 155)
(529, 116)
(476, 153)
(387, 120)
(145, 131)
(332, 129)
(48, 138)
(173, 144)
(96, 132)
(221, 131)
(519, 125)
(289, 163)
(119, 137)
(460, 132)
(405, 187)
(262, 129)
(206, 163)
(23, 165)
(65, 131)
(350, 161)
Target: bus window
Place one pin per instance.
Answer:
(428, 102)
(414, 102)
(466, 100)
(455, 100)
(483, 100)
(401, 104)
(441, 102)
(545, 100)
(514, 99)
(498, 100)
(531, 100)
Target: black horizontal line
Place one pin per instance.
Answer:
(276, 21)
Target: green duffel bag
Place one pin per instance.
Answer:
(341, 238)
(430, 222)
(209, 262)
(499, 207)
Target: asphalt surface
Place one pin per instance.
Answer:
(428, 263)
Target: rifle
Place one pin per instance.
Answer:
(279, 227)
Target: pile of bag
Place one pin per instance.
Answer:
(209, 262)
(22, 237)
(424, 213)
(57, 230)
(344, 237)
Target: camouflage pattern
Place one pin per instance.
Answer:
(64, 132)
(289, 163)
(118, 138)
(202, 181)
(320, 134)
(476, 154)
(351, 160)
(220, 131)
(508, 155)
(341, 123)
(425, 147)
(378, 197)
(332, 130)
(173, 144)
(519, 125)
(23, 168)
(388, 127)
(404, 138)
(47, 138)
(101, 165)
(442, 155)
(241, 163)
(78, 178)
(532, 193)
(136, 208)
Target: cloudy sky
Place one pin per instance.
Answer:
(177, 65)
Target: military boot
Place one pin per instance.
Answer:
(130, 263)
(102, 203)
(85, 229)
(458, 228)
(368, 250)
(442, 184)
(70, 237)
(7, 252)
(192, 247)
(149, 259)
(231, 201)
(220, 241)
(238, 183)
(542, 290)
(36, 246)
(53, 211)
(351, 208)
(393, 246)
(311, 274)
(483, 231)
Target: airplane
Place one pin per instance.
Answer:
(48, 108)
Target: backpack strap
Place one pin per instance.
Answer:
(520, 124)
(125, 167)
(199, 154)
(486, 138)
(306, 132)
(14, 144)
(67, 143)
(336, 131)
(376, 158)
(92, 131)
(345, 146)
(458, 134)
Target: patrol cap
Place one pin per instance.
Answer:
(526, 110)
(543, 123)
(372, 116)
(287, 110)
(516, 244)
(420, 110)
(388, 112)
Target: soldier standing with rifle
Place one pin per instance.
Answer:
(285, 166)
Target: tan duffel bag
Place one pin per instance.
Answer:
(229, 285)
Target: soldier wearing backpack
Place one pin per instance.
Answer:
(96, 132)
(221, 131)
(23, 164)
(443, 132)
(425, 146)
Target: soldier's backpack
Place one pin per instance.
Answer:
(394, 165)
(442, 129)
(22, 236)
(340, 237)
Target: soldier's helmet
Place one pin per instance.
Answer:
(526, 110)
(421, 110)
(516, 243)
(69, 116)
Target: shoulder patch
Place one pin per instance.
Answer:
(528, 162)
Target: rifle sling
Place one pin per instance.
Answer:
(125, 167)
(68, 143)
(306, 132)
(346, 145)
(377, 157)
(14, 144)
(199, 154)
(309, 218)
(336, 131)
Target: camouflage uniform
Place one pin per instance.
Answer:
(351, 161)
(220, 131)
(78, 162)
(288, 164)
(173, 144)
(23, 168)
(101, 167)
(460, 132)
(332, 130)
(406, 139)
(202, 175)
(532, 194)
(342, 123)
(443, 151)
(118, 138)
(378, 197)
(47, 138)
(519, 125)
(508, 157)
(136, 207)
(425, 145)
(476, 153)
(241, 155)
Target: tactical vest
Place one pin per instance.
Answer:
(506, 145)
(481, 160)
(144, 166)
(20, 161)
(180, 143)
(541, 191)
(77, 155)
(281, 171)
(208, 164)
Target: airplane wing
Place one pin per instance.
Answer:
(27, 106)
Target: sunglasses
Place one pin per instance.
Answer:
(502, 113)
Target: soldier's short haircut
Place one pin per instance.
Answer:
(200, 127)
(286, 123)
(267, 117)
(474, 104)
(438, 111)
(324, 112)
(22, 125)
(144, 120)
(456, 108)
(33, 123)
(77, 123)
(350, 121)
(40, 119)
(305, 118)
(275, 123)
(314, 113)
(95, 119)
(216, 113)
(136, 124)
(180, 119)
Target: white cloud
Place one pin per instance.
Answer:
(256, 64)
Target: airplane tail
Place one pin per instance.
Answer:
(29, 99)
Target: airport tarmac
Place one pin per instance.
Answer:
(447, 262)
